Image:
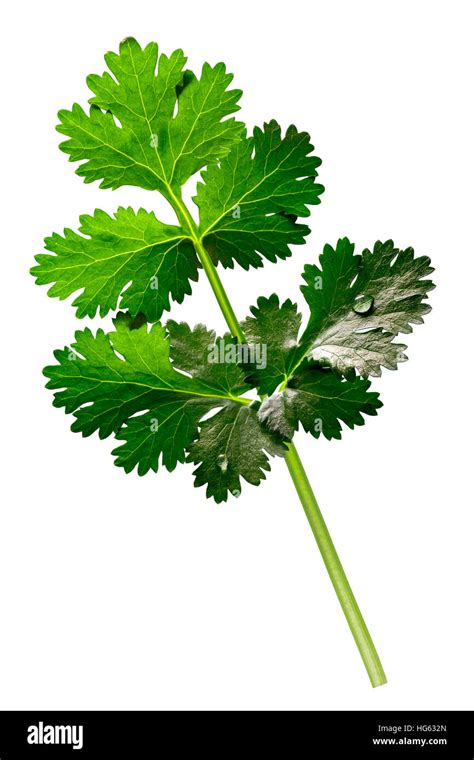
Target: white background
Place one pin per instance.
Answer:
(126, 592)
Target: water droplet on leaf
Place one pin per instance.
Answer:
(363, 304)
(222, 462)
(236, 493)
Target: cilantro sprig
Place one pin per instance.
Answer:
(170, 393)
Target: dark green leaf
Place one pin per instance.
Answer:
(193, 352)
(232, 445)
(320, 400)
(249, 202)
(274, 330)
(360, 303)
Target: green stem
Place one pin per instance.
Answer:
(219, 292)
(191, 227)
(335, 570)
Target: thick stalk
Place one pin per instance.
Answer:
(333, 564)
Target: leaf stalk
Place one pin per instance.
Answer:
(335, 569)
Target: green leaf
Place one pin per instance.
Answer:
(320, 400)
(108, 378)
(232, 445)
(151, 390)
(135, 249)
(316, 397)
(166, 430)
(249, 202)
(360, 303)
(177, 419)
(192, 351)
(132, 135)
(274, 329)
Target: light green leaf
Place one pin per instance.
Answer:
(152, 391)
(135, 249)
(132, 135)
(105, 379)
